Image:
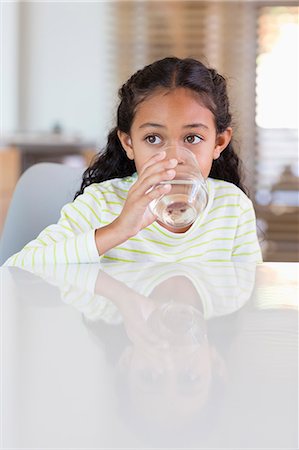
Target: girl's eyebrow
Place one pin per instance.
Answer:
(196, 125)
(158, 125)
(150, 124)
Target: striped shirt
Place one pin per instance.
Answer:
(224, 231)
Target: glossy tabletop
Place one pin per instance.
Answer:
(150, 356)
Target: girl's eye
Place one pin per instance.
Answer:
(193, 139)
(153, 139)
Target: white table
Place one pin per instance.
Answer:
(168, 356)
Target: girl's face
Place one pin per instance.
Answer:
(175, 118)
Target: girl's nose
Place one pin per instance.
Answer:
(175, 152)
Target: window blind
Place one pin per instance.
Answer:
(277, 171)
(276, 95)
(231, 37)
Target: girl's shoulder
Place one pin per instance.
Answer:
(222, 189)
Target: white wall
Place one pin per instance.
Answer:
(63, 67)
(9, 17)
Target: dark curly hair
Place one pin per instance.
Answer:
(167, 73)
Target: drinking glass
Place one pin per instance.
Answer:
(188, 196)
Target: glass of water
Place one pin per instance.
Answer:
(188, 196)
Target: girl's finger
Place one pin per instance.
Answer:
(157, 157)
(152, 194)
(143, 187)
(155, 174)
(157, 166)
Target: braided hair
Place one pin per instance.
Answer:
(168, 73)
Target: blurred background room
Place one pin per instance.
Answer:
(62, 63)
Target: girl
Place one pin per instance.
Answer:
(172, 102)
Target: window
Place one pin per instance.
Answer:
(277, 171)
(276, 96)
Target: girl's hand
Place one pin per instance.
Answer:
(135, 214)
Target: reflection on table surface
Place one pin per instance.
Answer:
(150, 356)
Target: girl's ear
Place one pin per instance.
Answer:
(222, 141)
(126, 142)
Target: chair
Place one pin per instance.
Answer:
(41, 192)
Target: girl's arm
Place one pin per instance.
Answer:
(80, 236)
(71, 240)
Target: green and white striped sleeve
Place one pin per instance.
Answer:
(71, 240)
(246, 246)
